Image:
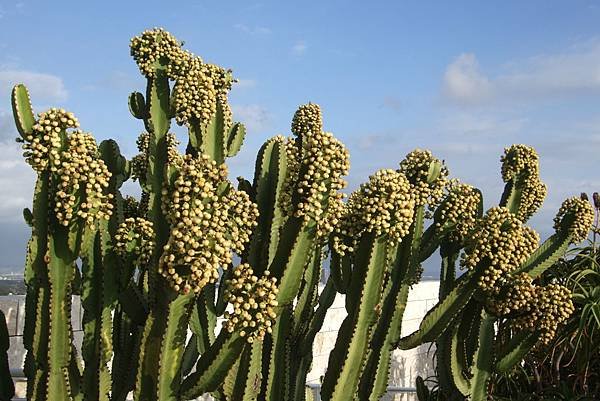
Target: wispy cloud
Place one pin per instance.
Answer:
(255, 117)
(572, 72)
(252, 30)
(43, 87)
(299, 48)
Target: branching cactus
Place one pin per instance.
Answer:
(154, 275)
(71, 203)
(494, 313)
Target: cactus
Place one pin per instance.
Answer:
(501, 258)
(155, 274)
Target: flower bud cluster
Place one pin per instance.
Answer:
(499, 243)
(317, 161)
(254, 301)
(152, 46)
(135, 239)
(82, 179)
(195, 96)
(209, 219)
(582, 214)
(458, 210)
(307, 119)
(139, 162)
(198, 85)
(516, 297)
(43, 145)
(550, 307)
(521, 163)
(426, 190)
(383, 206)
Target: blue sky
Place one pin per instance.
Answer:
(464, 79)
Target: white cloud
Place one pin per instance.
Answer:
(42, 87)
(572, 72)
(254, 30)
(255, 117)
(299, 48)
(17, 180)
(464, 82)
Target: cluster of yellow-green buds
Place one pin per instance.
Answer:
(139, 162)
(581, 215)
(550, 306)
(499, 243)
(43, 145)
(254, 300)
(209, 219)
(515, 297)
(198, 85)
(135, 240)
(82, 180)
(416, 166)
(383, 205)
(522, 162)
(317, 161)
(458, 211)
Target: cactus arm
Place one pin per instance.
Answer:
(455, 355)
(341, 271)
(325, 301)
(35, 332)
(169, 374)
(275, 350)
(443, 313)
(211, 139)
(7, 387)
(137, 105)
(404, 271)
(269, 177)
(351, 347)
(21, 105)
(307, 296)
(190, 355)
(546, 255)
(235, 139)
(213, 365)
(248, 377)
(514, 351)
(297, 238)
(483, 360)
(61, 272)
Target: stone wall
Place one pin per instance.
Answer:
(406, 365)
